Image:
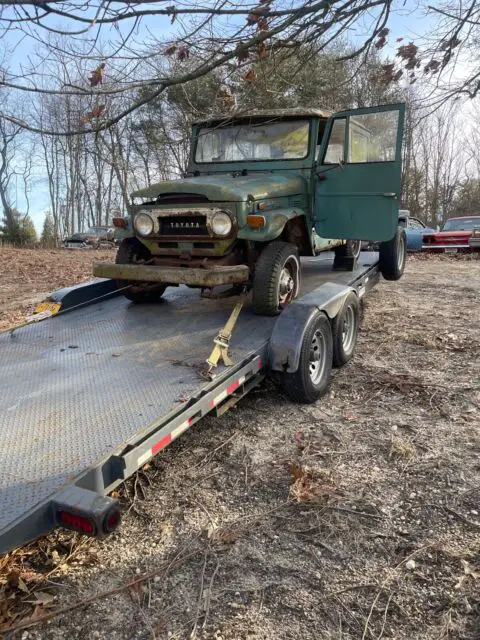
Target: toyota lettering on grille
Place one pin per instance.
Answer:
(184, 225)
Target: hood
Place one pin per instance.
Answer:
(227, 188)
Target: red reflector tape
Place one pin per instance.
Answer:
(161, 443)
(227, 392)
(233, 387)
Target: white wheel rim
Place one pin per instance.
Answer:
(318, 357)
(401, 252)
(288, 283)
(356, 248)
(348, 329)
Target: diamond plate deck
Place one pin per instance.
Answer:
(80, 386)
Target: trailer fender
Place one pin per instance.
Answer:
(288, 332)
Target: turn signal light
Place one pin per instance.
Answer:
(256, 222)
(120, 223)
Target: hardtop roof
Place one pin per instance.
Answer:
(274, 114)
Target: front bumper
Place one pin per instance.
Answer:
(196, 277)
(77, 245)
(443, 247)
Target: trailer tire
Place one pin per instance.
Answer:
(393, 256)
(310, 381)
(132, 251)
(345, 330)
(346, 255)
(276, 282)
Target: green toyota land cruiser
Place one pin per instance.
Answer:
(261, 190)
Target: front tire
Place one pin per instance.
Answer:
(276, 282)
(393, 256)
(310, 381)
(132, 251)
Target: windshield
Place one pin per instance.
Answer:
(461, 224)
(285, 140)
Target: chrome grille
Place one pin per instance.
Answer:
(183, 226)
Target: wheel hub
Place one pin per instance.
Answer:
(348, 330)
(318, 359)
(286, 285)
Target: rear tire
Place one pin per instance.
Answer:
(132, 251)
(345, 330)
(393, 256)
(276, 282)
(310, 381)
(346, 255)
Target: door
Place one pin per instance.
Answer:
(358, 178)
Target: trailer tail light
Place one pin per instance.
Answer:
(256, 222)
(77, 522)
(120, 223)
(111, 521)
(86, 512)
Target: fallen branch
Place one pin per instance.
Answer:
(26, 624)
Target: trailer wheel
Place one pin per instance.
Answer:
(276, 281)
(310, 381)
(393, 256)
(132, 251)
(345, 330)
(346, 255)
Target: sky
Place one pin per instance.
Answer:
(407, 21)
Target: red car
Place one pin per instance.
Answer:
(455, 236)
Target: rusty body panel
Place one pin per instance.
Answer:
(196, 277)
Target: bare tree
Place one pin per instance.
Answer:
(139, 65)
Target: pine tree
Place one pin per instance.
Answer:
(48, 232)
(18, 229)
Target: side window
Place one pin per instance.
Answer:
(336, 144)
(416, 224)
(358, 144)
(373, 137)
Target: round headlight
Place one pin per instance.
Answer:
(144, 224)
(221, 224)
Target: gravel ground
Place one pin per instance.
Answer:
(354, 518)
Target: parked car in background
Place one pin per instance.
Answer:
(414, 230)
(474, 241)
(93, 238)
(453, 237)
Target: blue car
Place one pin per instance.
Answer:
(414, 230)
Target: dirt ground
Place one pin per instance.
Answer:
(355, 518)
(27, 276)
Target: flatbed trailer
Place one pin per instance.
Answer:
(88, 396)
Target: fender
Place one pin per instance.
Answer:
(275, 224)
(292, 324)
